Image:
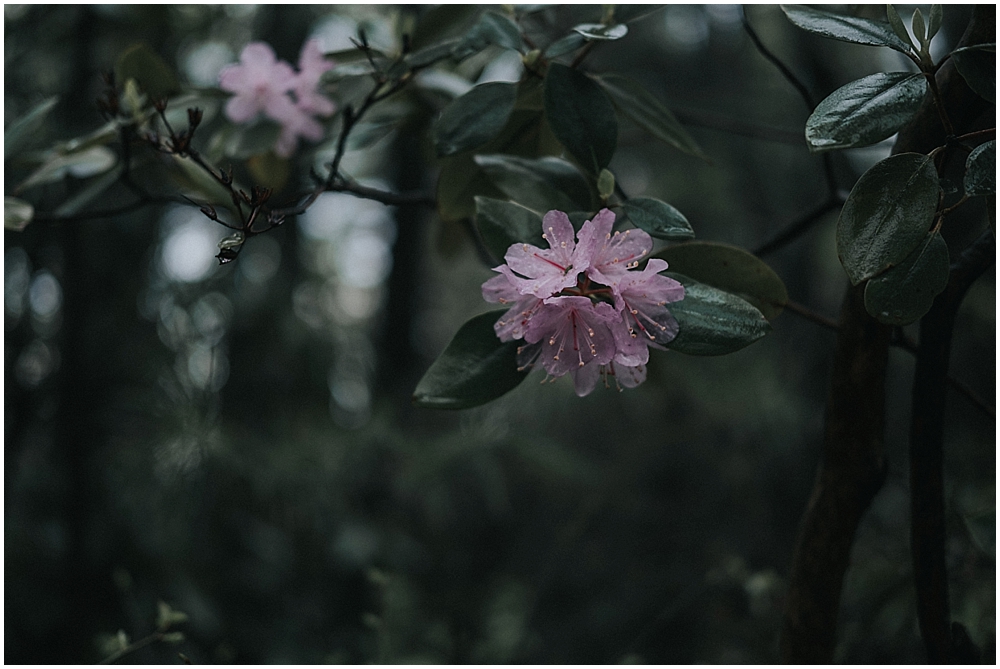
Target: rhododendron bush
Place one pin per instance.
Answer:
(524, 139)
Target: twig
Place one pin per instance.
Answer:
(800, 225)
(736, 126)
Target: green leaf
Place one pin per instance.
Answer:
(442, 22)
(474, 369)
(897, 25)
(16, 213)
(564, 45)
(428, 56)
(982, 528)
(154, 76)
(474, 118)
(730, 269)
(23, 132)
(80, 164)
(541, 184)
(866, 111)
(598, 31)
(907, 291)
(87, 194)
(658, 218)
(919, 28)
(460, 181)
(492, 28)
(712, 321)
(502, 223)
(252, 140)
(978, 65)
(844, 28)
(887, 214)
(981, 170)
(633, 100)
(936, 19)
(581, 116)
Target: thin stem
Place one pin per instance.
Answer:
(939, 104)
(584, 52)
(976, 135)
(799, 226)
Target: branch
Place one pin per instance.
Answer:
(798, 227)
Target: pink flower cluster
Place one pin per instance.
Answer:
(262, 83)
(583, 306)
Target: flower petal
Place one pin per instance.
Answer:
(618, 254)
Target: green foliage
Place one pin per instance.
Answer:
(16, 213)
(905, 293)
(541, 184)
(730, 269)
(887, 214)
(23, 133)
(442, 22)
(897, 25)
(845, 28)
(565, 44)
(80, 164)
(601, 32)
(605, 184)
(581, 116)
(140, 63)
(633, 100)
(87, 194)
(981, 170)
(712, 321)
(502, 223)
(936, 19)
(865, 111)
(493, 28)
(475, 368)
(978, 65)
(474, 118)
(658, 218)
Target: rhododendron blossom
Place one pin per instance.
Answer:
(582, 306)
(263, 84)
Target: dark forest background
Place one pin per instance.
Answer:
(239, 442)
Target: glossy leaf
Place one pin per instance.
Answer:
(581, 116)
(935, 21)
(865, 111)
(23, 132)
(564, 45)
(474, 118)
(712, 321)
(730, 269)
(16, 213)
(658, 218)
(982, 528)
(502, 223)
(897, 25)
(906, 292)
(492, 28)
(540, 184)
(981, 170)
(844, 28)
(154, 76)
(978, 65)
(887, 214)
(633, 100)
(598, 31)
(474, 369)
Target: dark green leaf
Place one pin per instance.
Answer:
(887, 214)
(429, 55)
(474, 118)
(16, 213)
(442, 22)
(87, 194)
(564, 45)
(865, 111)
(919, 28)
(150, 72)
(906, 292)
(730, 269)
(897, 25)
(368, 133)
(541, 184)
(460, 181)
(981, 170)
(581, 116)
(982, 528)
(658, 218)
(844, 28)
(937, 17)
(492, 28)
(502, 223)
(597, 31)
(252, 140)
(80, 164)
(712, 321)
(474, 369)
(633, 100)
(978, 65)
(23, 132)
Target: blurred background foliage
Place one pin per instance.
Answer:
(238, 441)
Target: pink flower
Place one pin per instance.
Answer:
(583, 306)
(260, 82)
(312, 65)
